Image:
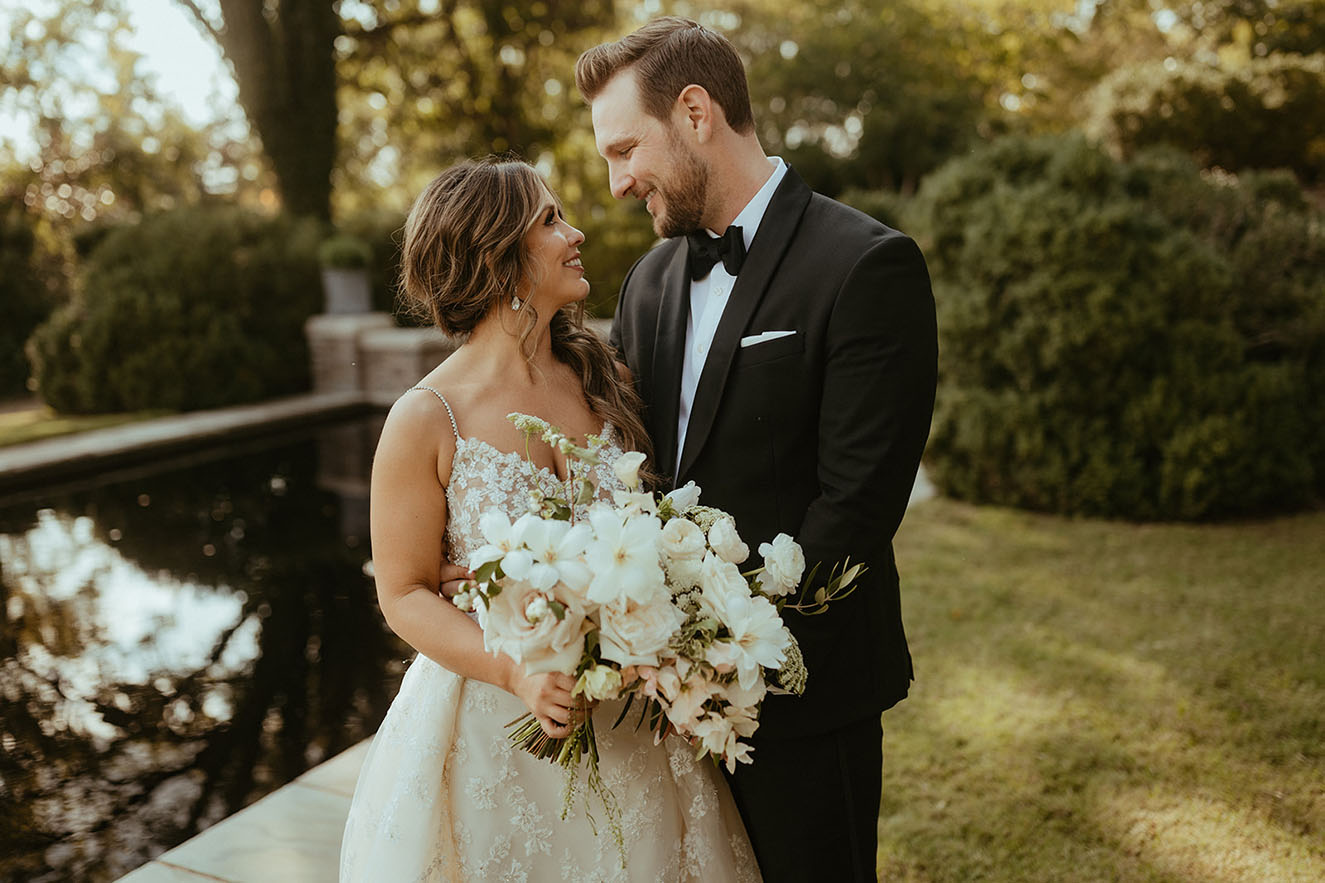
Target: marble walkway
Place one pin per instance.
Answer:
(292, 835)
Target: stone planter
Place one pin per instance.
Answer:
(346, 290)
(333, 345)
(395, 358)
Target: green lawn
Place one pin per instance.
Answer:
(1100, 701)
(37, 423)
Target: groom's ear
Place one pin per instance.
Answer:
(695, 110)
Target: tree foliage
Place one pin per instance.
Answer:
(424, 86)
(858, 93)
(104, 146)
(1268, 113)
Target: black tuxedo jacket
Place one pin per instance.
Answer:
(817, 434)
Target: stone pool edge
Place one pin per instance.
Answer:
(33, 463)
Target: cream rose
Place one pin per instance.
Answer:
(635, 634)
(784, 564)
(682, 540)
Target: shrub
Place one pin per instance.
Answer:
(1133, 340)
(1268, 114)
(195, 308)
(24, 300)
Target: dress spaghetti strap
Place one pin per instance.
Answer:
(449, 412)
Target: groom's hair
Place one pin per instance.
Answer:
(669, 54)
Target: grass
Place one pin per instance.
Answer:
(1100, 701)
(32, 424)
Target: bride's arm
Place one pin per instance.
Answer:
(408, 516)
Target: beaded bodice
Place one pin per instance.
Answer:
(485, 478)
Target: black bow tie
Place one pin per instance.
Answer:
(705, 251)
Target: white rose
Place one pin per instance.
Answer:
(784, 563)
(682, 539)
(724, 540)
(684, 497)
(627, 468)
(520, 622)
(635, 634)
(722, 582)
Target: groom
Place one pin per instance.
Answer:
(788, 368)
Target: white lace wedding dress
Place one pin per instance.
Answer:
(444, 796)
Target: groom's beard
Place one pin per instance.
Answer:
(682, 196)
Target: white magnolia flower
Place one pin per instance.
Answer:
(784, 564)
(557, 550)
(684, 497)
(598, 682)
(521, 623)
(627, 468)
(635, 634)
(623, 557)
(724, 540)
(503, 537)
(682, 539)
(758, 638)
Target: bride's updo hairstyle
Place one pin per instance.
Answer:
(464, 255)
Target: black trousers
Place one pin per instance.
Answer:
(811, 805)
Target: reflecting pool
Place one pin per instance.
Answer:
(179, 640)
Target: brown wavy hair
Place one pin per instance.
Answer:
(668, 54)
(464, 254)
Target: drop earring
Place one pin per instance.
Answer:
(515, 302)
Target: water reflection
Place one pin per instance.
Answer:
(174, 645)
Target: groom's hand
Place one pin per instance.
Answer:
(453, 578)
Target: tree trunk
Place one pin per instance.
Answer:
(282, 54)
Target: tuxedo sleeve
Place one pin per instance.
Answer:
(880, 370)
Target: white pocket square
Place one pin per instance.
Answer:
(764, 337)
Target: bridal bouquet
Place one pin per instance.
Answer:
(641, 598)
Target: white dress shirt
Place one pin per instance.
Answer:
(708, 298)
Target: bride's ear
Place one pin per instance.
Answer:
(696, 110)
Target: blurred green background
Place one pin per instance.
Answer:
(1120, 202)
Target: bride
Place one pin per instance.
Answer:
(443, 794)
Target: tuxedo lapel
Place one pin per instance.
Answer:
(668, 352)
(761, 262)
